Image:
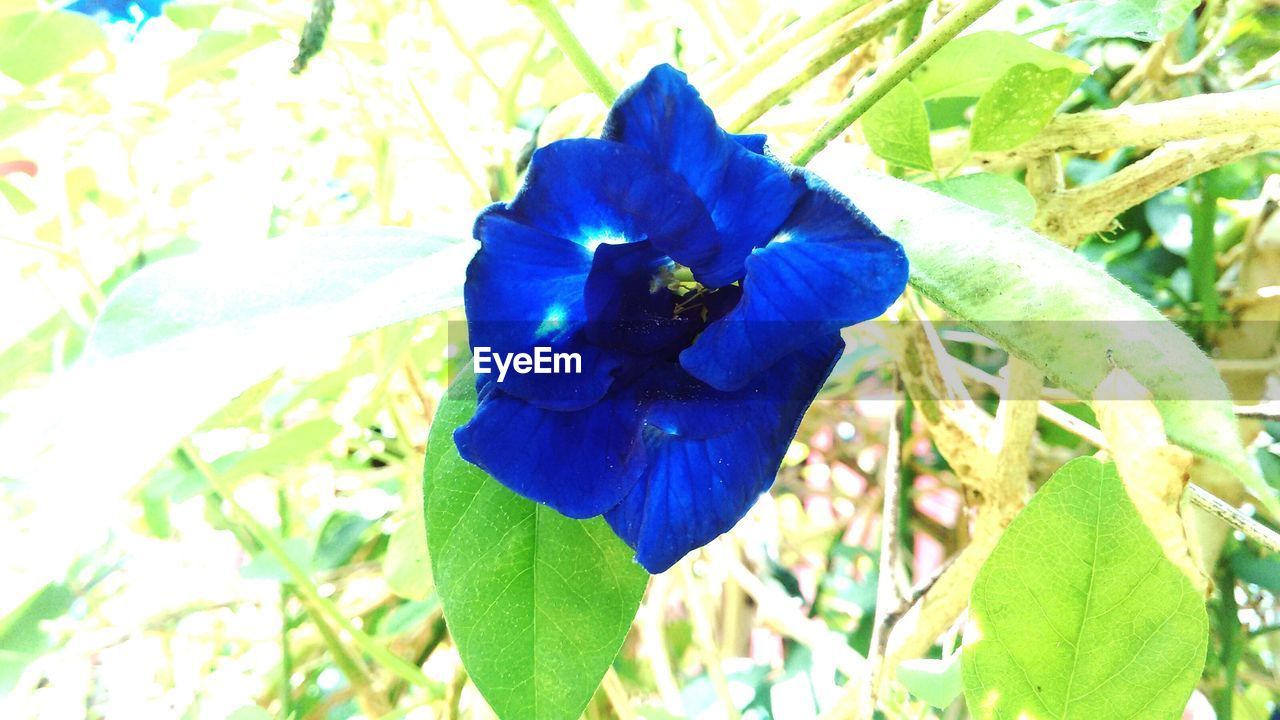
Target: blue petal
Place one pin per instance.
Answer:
(748, 194)
(579, 462)
(596, 192)
(524, 289)
(696, 488)
(628, 307)
(753, 142)
(827, 268)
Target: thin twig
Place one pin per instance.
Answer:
(1269, 410)
(443, 138)
(888, 598)
(794, 34)
(721, 34)
(704, 638)
(305, 589)
(441, 19)
(1196, 495)
(903, 65)
(617, 694)
(1210, 503)
(867, 28)
(551, 19)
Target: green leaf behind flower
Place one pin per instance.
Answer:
(538, 603)
(897, 128)
(1079, 614)
(1018, 106)
(968, 65)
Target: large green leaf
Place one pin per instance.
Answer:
(968, 65)
(1078, 613)
(897, 128)
(37, 45)
(538, 604)
(1018, 106)
(1054, 309)
(179, 339)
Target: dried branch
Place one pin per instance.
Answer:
(1140, 126)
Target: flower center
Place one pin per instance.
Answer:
(691, 297)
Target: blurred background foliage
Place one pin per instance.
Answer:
(125, 143)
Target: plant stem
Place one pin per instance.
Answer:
(441, 19)
(286, 650)
(791, 36)
(704, 638)
(303, 585)
(617, 694)
(1219, 508)
(912, 24)
(867, 28)
(903, 65)
(721, 33)
(1229, 630)
(443, 139)
(572, 48)
(1202, 260)
(888, 599)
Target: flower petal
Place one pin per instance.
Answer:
(579, 462)
(628, 308)
(754, 142)
(696, 488)
(827, 268)
(597, 192)
(747, 193)
(524, 290)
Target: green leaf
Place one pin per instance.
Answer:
(17, 199)
(406, 567)
(1147, 20)
(968, 65)
(265, 566)
(340, 538)
(35, 46)
(538, 604)
(1078, 613)
(407, 616)
(21, 638)
(936, 682)
(897, 128)
(994, 193)
(1054, 309)
(179, 339)
(1018, 106)
(192, 15)
(213, 52)
(287, 447)
(1262, 571)
(16, 118)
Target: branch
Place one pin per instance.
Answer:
(1074, 214)
(885, 80)
(1141, 126)
(554, 22)
(864, 30)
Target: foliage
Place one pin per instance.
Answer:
(215, 421)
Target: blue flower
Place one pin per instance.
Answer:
(131, 11)
(703, 284)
